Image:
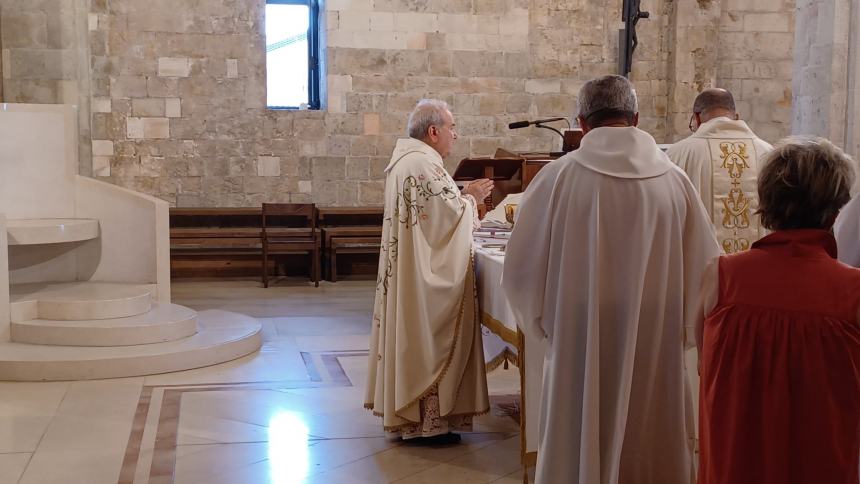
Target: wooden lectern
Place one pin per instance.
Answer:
(498, 169)
(512, 171)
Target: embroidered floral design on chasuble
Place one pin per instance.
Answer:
(735, 198)
(409, 209)
(421, 195)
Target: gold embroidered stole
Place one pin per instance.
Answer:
(734, 165)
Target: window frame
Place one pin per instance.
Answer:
(314, 82)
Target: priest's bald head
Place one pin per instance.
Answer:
(712, 103)
(608, 101)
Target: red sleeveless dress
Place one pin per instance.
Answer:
(780, 382)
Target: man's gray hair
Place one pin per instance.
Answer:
(607, 94)
(428, 112)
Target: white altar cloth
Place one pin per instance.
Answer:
(488, 268)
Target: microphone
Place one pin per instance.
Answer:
(519, 124)
(523, 124)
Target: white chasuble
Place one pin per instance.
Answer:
(426, 334)
(722, 159)
(605, 264)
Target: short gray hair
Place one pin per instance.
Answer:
(804, 183)
(607, 97)
(428, 112)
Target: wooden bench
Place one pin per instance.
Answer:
(215, 241)
(226, 241)
(215, 223)
(351, 245)
(346, 216)
(299, 236)
(359, 239)
(215, 238)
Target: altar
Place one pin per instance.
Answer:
(503, 336)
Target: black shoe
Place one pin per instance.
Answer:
(442, 439)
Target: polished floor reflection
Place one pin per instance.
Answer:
(291, 413)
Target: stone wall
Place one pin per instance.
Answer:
(694, 41)
(826, 80)
(177, 90)
(45, 58)
(172, 118)
(755, 62)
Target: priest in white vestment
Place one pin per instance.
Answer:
(722, 160)
(605, 265)
(426, 362)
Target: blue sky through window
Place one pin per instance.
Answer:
(287, 55)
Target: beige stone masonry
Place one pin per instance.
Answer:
(173, 107)
(268, 166)
(174, 94)
(174, 67)
(232, 68)
(103, 148)
(147, 107)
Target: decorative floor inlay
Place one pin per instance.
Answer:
(290, 413)
(153, 450)
(164, 448)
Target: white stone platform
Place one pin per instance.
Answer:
(165, 322)
(221, 336)
(85, 268)
(51, 230)
(76, 301)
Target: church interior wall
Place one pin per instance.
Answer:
(174, 95)
(45, 59)
(756, 62)
(826, 80)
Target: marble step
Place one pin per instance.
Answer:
(221, 336)
(51, 230)
(165, 322)
(79, 301)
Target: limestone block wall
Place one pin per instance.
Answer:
(826, 80)
(174, 92)
(178, 93)
(755, 61)
(45, 58)
(693, 60)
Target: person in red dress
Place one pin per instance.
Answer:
(780, 345)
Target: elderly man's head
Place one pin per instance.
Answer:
(432, 122)
(607, 101)
(712, 103)
(804, 183)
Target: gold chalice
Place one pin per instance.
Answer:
(510, 210)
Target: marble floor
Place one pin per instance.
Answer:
(291, 413)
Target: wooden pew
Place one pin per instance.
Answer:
(215, 241)
(226, 241)
(351, 231)
(358, 239)
(337, 216)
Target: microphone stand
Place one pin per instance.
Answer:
(540, 125)
(554, 130)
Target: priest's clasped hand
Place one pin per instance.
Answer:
(480, 189)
